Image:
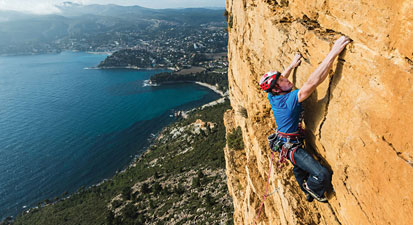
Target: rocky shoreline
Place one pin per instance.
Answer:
(130, 67)
(212, 87)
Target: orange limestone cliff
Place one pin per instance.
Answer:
(358, 122)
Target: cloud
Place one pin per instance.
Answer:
(49, 6)
(37, 7)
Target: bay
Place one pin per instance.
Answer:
(63, 126)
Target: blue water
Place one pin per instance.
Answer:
(63, 126)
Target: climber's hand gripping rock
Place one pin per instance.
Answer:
(296, 61)
(339, 45)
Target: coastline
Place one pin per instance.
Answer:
(212, 87)
(100, 53)
(136, 158)
(130, 67)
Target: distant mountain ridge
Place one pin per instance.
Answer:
(29, 33)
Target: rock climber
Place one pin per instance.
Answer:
(312, 177)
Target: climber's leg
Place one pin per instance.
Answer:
(300, 176)
(319, 177)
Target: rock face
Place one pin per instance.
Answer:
(358, 121)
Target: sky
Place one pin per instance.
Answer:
(48, 6)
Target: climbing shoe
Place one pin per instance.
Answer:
(308, 197)
(313, 194)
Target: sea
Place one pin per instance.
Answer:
(65, 125)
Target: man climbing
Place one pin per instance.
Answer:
(311, 176)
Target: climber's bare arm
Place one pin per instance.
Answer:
(320, 74)
(296, 62)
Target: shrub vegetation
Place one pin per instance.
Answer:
(234, 139)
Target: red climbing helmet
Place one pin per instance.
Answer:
(269, 80)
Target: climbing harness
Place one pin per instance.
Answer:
(283, 141)
(288, 148)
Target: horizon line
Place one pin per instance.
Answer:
(63, 4)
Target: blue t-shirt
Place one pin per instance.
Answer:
(287, 110)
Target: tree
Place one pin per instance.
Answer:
(157, 188)
(126, 193)
(234, 139)
(196, 182)
(179, 189)
(145, 189)
(209, 200)
(130, 211)
(200, 174)
(110, 216)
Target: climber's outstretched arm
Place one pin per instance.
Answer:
(320, 74)
(296, 62)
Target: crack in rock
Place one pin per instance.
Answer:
(331, 85)
(358, 203)
(334, 213)
(326, 109)
(399, 154)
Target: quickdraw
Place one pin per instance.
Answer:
(287, 151)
